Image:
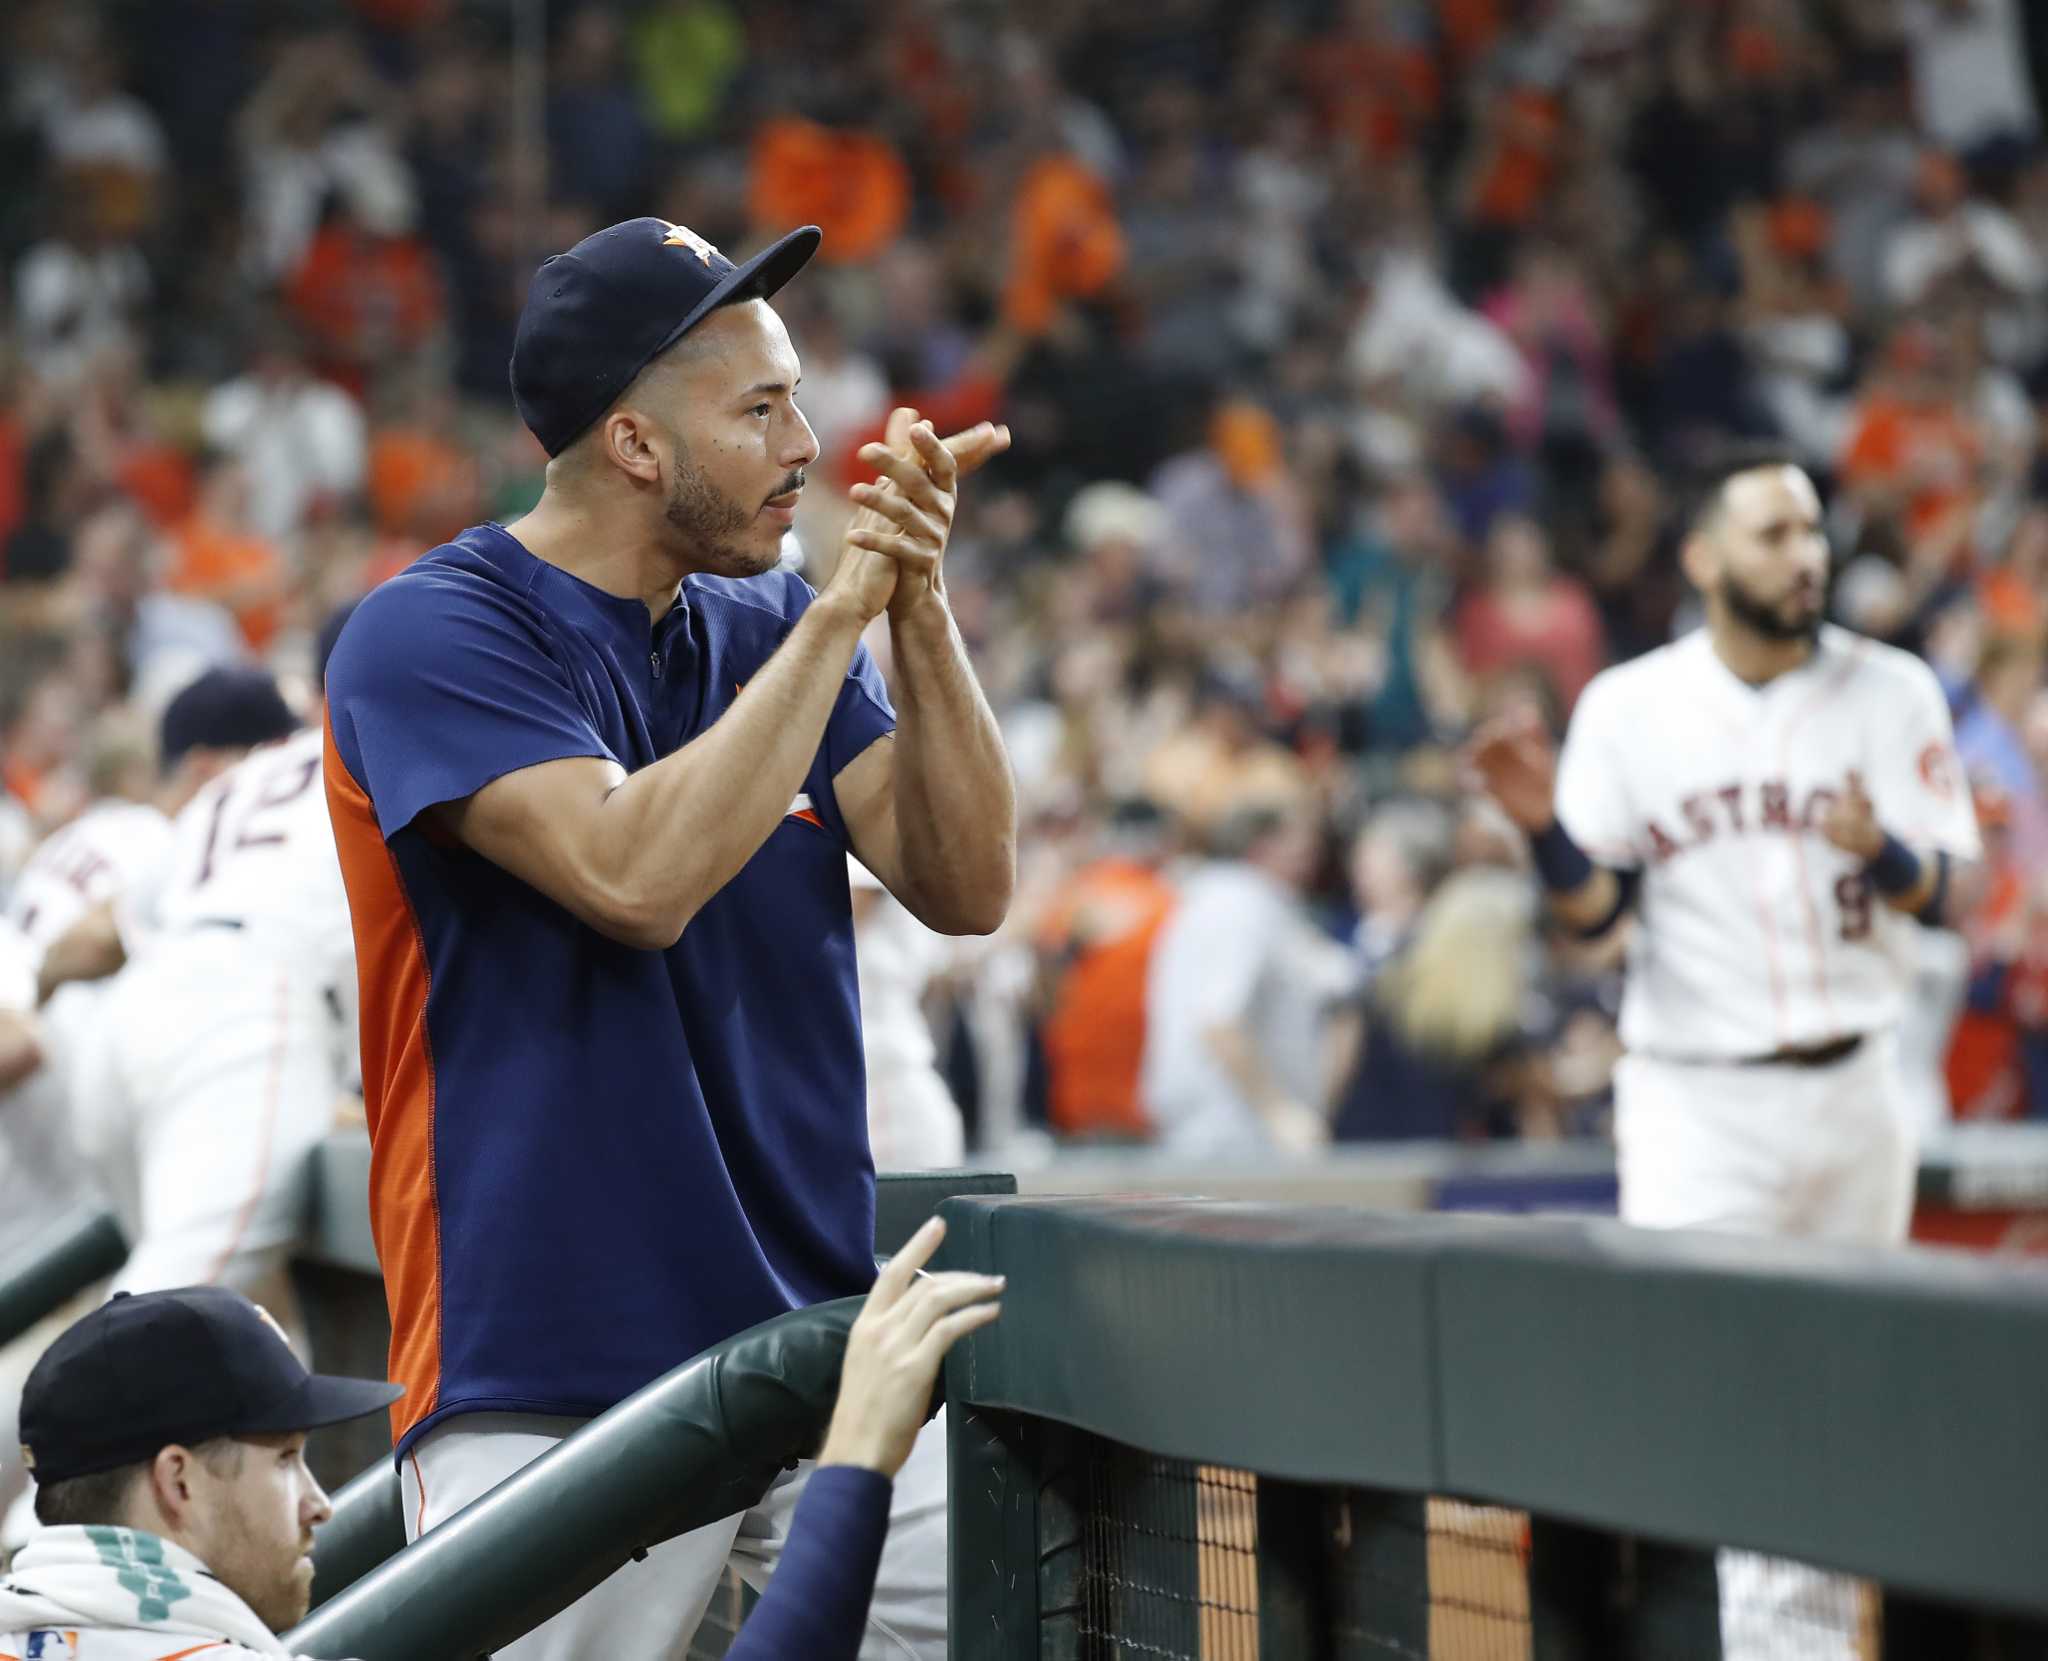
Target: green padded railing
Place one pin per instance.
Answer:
(699, 1444)
(1876, 1412)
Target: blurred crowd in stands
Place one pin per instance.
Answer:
(1354, 351)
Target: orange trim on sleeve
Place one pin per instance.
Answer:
(179, 1655)
(398, 1091)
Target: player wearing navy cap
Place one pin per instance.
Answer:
(593, 777)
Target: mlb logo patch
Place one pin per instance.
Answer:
(48, 1644)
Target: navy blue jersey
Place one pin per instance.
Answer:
(589, 1162)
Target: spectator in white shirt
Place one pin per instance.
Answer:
(1239, 995)
(79, 292)
(1970, 81)
(302, 440)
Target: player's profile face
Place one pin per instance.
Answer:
(1770, 551)
(741, 445)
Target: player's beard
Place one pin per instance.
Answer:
(712, 525)
(1769, 619)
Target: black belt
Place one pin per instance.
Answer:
(1811, 1055)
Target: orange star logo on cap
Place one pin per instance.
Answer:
(681, 236)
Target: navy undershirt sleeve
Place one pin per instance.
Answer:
(816, 1605)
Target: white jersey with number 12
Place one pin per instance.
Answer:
(255, 850)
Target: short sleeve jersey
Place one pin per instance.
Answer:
(590, 1162)
(1754, 933)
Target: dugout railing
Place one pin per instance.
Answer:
(1220, 1430)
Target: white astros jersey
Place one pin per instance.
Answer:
(255, 849)
(106, 851)
(1753, 932)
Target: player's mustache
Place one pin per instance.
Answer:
(794, 482)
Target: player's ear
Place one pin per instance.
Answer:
(631, 441)
(1700, 559)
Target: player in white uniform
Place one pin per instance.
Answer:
(228, 1039)
(913, 1121)
(1778, 800)
(64, 903)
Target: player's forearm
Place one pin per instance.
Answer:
(90, 949)
(1932, 894)
(672, 835)
(21, 1049)
(956, 803)
(1586, 898)
(1591, 908)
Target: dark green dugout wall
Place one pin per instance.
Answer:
(1881, 1413)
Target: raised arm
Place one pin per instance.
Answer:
(636, 857)
(933, 811)
(1518, 764)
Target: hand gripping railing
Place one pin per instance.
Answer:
(698, 1444)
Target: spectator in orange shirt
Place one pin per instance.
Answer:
(422, 480)
(1913, 451)
(367, 292)
(217, 556)
(1095, 947)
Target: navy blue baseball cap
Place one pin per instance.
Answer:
(224, 709)
(140, 1373)
(599, 314)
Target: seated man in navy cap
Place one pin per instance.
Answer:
(167, 1432)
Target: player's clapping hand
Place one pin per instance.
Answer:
(894, 1350)
(1517, 763)
(907, 514)
(1851, 823)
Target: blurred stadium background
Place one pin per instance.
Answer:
(1356, 352)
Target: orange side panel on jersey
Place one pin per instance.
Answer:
(398, 1092)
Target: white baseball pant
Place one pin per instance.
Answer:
(649, 1609)
(913, 1124)
(222, 1074)
(1819, 1153)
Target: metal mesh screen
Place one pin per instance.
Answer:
(1144, 1556)
(1169, 1562)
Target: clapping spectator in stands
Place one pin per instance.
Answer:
(302, 439)
(1962, 245)
(1240, 994)
(79, 291)
(366, 293)
(319, 120)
